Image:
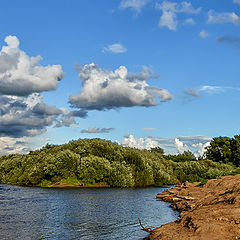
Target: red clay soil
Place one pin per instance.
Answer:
(207, 212)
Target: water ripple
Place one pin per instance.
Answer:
(86, 214)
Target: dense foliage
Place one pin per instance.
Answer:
(93, 161)
(183, 157)
(225, 150)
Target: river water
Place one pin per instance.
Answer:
(80, 213)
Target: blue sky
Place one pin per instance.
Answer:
(144, 73)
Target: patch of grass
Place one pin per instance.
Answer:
(203, 182)
(45, 183)
(71, 180)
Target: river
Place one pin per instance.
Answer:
(80, 213)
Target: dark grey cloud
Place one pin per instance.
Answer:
(43, 109)
(68, 118)
(97, 130)
(21, 75)
(104, 89)
(30, 116)
(235, 41)
(80, 113)
(8, 148)
(13, 131)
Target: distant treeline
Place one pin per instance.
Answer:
(96, 161)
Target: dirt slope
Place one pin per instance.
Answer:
(208, 212)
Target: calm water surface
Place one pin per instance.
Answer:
(83, 213)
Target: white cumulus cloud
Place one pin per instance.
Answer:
(22, 75)
(181, 147)
(140, 143)
(201, 148)
(195, 144)
(104, 89)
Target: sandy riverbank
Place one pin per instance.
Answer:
(207, 212)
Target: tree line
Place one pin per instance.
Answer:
(97, 161)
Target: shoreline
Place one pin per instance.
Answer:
(72, 185)
(207, 212)
(76, 185)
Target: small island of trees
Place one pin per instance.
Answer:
(91, 162)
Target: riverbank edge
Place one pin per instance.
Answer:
(63, 184)
(207, 211)
(72, 185)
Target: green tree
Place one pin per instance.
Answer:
(157, 150)
(235, 150)
(93, 169)
(183, 157)
(220, 150)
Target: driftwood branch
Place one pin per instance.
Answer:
(149, 230)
